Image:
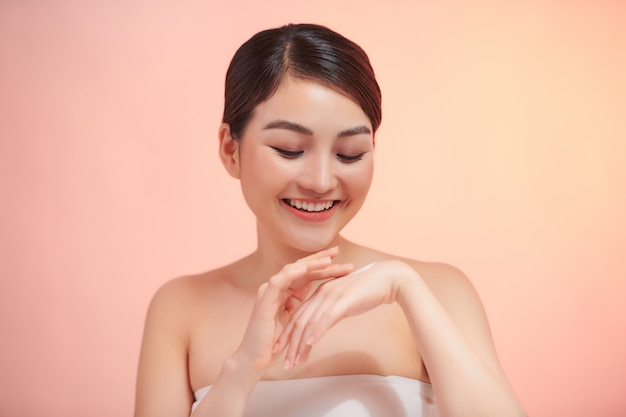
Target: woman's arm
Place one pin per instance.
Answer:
(447, 321)
(162, 379)
(452, 333)
(163, 388)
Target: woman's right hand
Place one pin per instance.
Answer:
(277, 300)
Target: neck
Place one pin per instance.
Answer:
(272, 255)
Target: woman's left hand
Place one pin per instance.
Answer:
(337, 299)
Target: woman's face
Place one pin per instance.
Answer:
(306, 164)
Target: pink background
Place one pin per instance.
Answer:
(502, 151)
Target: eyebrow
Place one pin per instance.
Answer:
(359, 130)
(298, 128)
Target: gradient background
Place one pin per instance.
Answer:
(502, 151)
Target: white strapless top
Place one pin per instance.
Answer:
(339, 396)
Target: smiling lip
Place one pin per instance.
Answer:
(312, 216)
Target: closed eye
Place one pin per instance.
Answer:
(350, 158)
(287, 154)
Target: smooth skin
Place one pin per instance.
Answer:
(302, 305)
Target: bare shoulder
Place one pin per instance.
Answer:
(453, 290)
(180, 295)
(163, 380)
(447, 282)
(460, 300)
(182, 287)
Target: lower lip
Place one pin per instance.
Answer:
(312, 216)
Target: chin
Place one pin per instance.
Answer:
(313, 244)
(311, 247)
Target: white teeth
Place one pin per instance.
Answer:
(313, 207)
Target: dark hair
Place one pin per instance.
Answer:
(305, 51)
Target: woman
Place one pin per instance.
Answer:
(311, 324)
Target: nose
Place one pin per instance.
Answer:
(318, 174)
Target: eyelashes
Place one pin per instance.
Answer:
(287, 154)
(295, 154)
(350, 158)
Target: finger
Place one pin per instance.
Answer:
(299, 339)
(292, 304)
(326, 316)
(291, 341)
(298, 307)
(318, 274)
(291, 273)
(292, 336)
(271, 295)
(277, 296)
(332, 252)
(322, 311)
(303, 354)
(317, 261)
(295, 271)
(312, 331)
(281, 342)
(265, 300)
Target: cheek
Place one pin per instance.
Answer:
(360, 179)
(259, 171)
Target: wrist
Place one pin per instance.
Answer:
(229, 394)
(237, 370)
(406, 283)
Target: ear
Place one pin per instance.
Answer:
(229, 151)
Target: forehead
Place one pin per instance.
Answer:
(312, 104)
